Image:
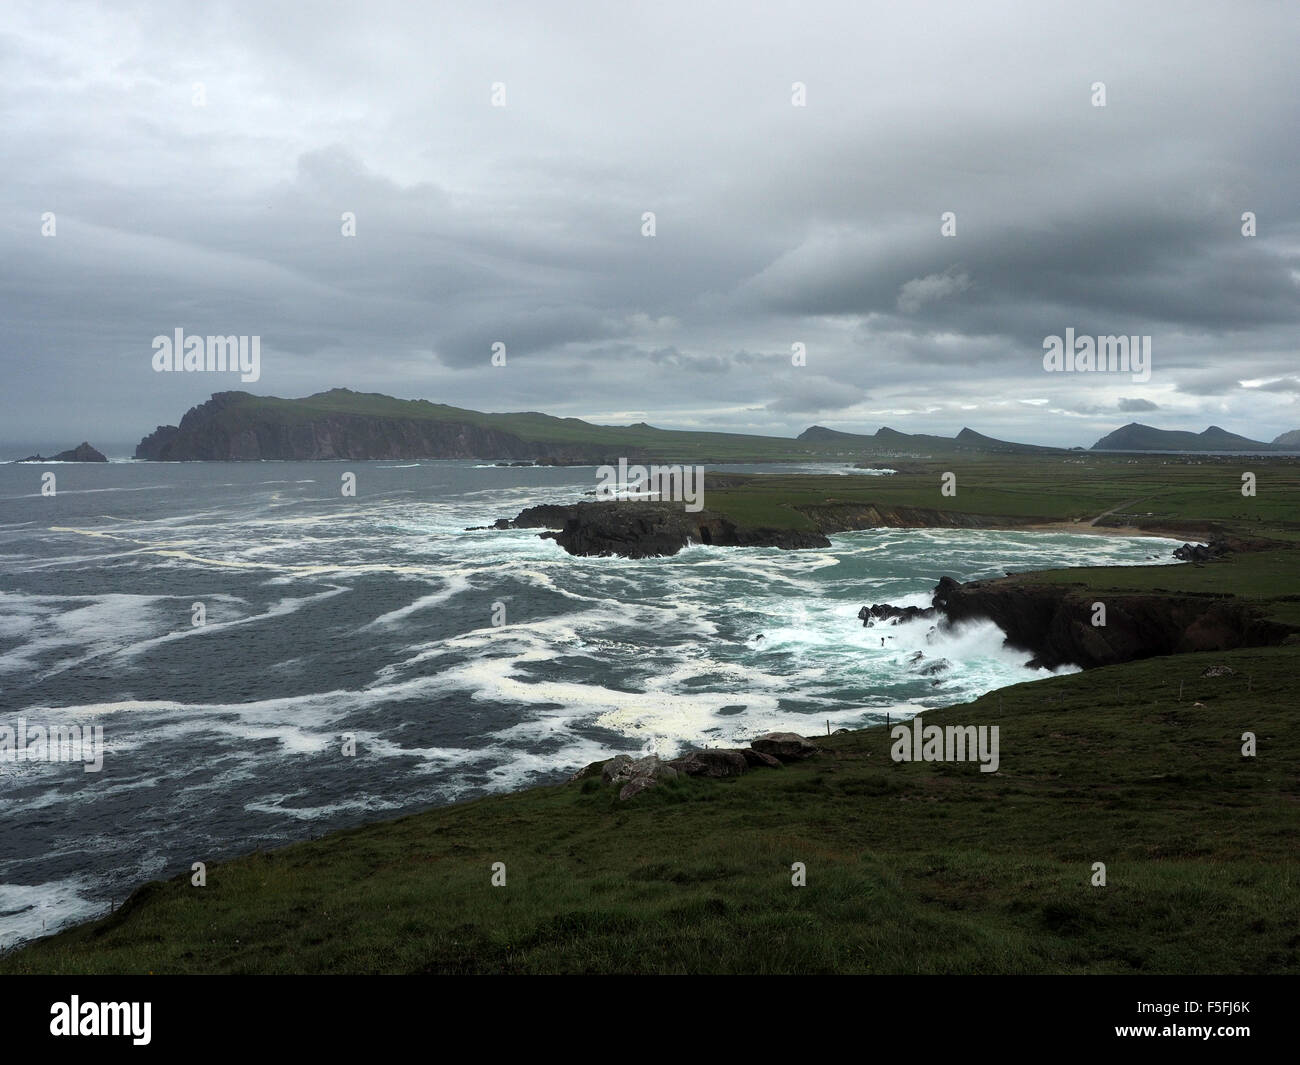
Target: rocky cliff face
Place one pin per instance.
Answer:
(1054, 622)
(646, 529)
(227, 428)
(633, 529)
(339, 436)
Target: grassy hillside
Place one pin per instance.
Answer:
(1138, 437)
(528, 426)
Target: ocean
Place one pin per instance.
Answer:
(460, 662)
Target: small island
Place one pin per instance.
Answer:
(83, 452)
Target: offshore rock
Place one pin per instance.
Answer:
(83, 452)
(637, 529)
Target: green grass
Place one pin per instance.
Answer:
(1152, 491)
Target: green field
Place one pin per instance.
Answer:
(911, 868)
(1151, 491)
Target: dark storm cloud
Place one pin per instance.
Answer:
(775, 225)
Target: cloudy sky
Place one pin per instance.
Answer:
(198, 157)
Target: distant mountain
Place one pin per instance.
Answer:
(1290, 441)
(886, 439)
(1138, 437)
(892, 440)
(342, 424)
(970, 438)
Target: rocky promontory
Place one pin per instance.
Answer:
(239, 427)
(644, 529)
(1054, 622)
(632, 776)
(636, 529)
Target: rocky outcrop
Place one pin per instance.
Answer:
(634, 776)
(83, 452)
(1221, 546)
(785, 746)
(758, 760)
(634, 529)
(881, 612)
(712, 763)
(1210, 552)
(1054, 622)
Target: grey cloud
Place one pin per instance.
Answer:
(814, 395)
(776, 225)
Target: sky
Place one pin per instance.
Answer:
(189, 165)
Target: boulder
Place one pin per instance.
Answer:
(786, 746)
(591, 769)
(650, 766)
(1219, 671)
(617, 769)
(755, 759)
(712, 763)
(635, 787)
(642, 775)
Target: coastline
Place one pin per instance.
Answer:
(1029, 575)
(697, 865)
(1088, 528)
(955, 521)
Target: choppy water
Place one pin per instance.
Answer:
(373, 615)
